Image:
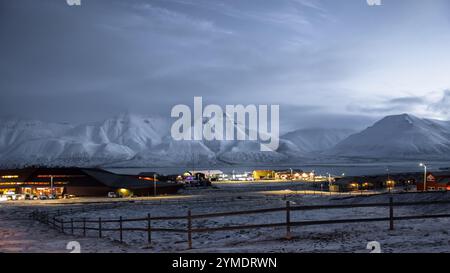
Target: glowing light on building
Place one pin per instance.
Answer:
(10, 176)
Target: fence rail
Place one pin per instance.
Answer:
(59, 221)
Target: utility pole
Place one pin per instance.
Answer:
(51, 185)
(154, 184)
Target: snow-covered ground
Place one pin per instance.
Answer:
(19, 234)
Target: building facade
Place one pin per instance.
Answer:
(79, 182)
(263, 175)
(435, 182)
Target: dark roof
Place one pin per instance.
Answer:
(27, 174)
(443, 180)
(148, 174)
(439, 174)
(104, 177)
(289, 171)
(121, 181)
(24, 174)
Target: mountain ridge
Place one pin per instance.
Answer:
(136, 140)
(398, 136)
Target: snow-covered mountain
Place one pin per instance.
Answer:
(316, 139)
(133, 140)
(117, 139)
(14, 131)
(398, 137)
(137, 141)
(135, 132)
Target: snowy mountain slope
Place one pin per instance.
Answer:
(316, 139)
(34, 151)
(238, 151)
(135, 132)
(119, 138)
(132, 140)
(14, 132)
(400, 136)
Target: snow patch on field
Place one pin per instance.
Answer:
(409, 236)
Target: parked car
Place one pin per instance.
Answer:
(15, 197)
(68, 196)
(31, 197)
(112, 195)
(9, 195)
(43, 197)
(192, 183)
(20, 197)
(51, 196)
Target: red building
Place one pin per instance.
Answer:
(439, 182)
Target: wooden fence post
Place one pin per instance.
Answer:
(71, 225)
(149, 229)
(189, 226)
(99, 227)
(120, 229)
(391, 213)
(288, 220)
(84, 227)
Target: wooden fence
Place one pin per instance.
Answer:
(59, 221)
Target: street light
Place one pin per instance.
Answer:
(424, 176)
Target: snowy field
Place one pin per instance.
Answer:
(20, 234)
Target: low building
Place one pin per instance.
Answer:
(435, 182)
(80, 182)
(263, 175)
(211, 174)
(355, 183)
(289, 174)
(375, 182)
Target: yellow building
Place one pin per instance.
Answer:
(263, 174)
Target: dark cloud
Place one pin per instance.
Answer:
(443, 105)
(407, 100)
(389, 106)
(64, 63)
(426, 105)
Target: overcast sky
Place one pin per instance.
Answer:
(327, 63)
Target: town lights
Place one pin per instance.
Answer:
(124, 192)
(390, 184)
(424, 176)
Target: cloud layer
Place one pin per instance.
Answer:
(327, 63)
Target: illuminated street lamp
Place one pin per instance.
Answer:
(424, 176)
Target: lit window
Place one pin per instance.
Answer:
(10, 176)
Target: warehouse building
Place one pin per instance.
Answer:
(80, 182)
